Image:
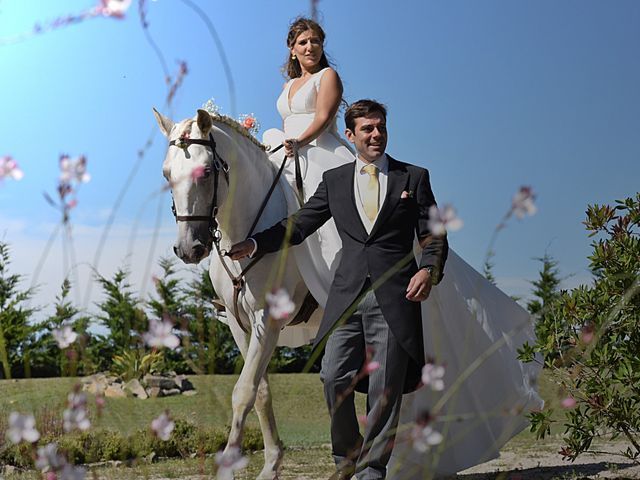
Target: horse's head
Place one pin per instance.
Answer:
(198, 178)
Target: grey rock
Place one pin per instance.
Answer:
(160, 381)
(136, 389)
(154, 392)
(115, 391)
(170, 392)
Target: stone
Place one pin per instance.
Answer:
(9, 470)
(184, 383)
(95, 384)
(154, 392)
(136, 389)
(170, 392)
(160, 381)
(113, 391)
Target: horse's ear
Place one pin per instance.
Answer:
(204, 122)
(165, 124)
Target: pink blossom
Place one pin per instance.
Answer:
(433, 375)
(371, 367)
(64, 336)
(48, 459)
(423, 437)
(587, 334)
(22, 427)
(442, 220)
(76, 417)
(162, 426)
(161, 334)
(197, 172)
(100, 403)
(522, 202)
(73, 169)
(229, 461)
(279, 304)
(569, 402)
(114, 8)
(9, 168)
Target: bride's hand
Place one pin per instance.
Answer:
(291, 146)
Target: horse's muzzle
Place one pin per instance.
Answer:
(191, 255)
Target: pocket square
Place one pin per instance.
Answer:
(407, 194)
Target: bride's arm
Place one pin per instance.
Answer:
(327, 104)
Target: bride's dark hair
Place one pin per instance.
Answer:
(300, 25)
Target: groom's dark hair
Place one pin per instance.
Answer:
(362, 108)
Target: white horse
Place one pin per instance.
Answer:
(217, 169)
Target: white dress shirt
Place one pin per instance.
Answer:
(360, 182)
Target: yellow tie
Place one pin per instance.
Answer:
(371, 194)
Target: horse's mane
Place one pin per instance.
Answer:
(234, 124)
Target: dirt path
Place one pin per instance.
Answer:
(516, 462)
(546, 463)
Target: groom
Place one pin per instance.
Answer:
(372, 320)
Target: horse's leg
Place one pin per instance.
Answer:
(252, 388)
(273, 448)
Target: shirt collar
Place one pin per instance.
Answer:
(381, 163)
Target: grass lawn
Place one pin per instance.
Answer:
(298, 402)
(299, 407)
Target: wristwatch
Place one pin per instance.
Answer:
(434, 273)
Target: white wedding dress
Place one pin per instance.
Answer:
(470, 326)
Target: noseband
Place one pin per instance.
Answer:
(219, 165)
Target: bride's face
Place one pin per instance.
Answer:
(308, 50)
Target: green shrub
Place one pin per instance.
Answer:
(594, 352)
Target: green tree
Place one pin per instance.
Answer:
(121, 313)
(598, 363)
(15, 331)
(80, 358)
(546, 291)
(209, 344)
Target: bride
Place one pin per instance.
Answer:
(471, 328)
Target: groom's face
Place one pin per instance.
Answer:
(369, 136)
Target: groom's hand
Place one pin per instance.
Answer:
(241, 250)
(419, 286)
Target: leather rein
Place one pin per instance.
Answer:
(215, 234)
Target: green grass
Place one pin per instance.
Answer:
(301, 413)
(299, 406)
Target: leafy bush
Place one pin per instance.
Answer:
(595, 353)
(135, 364)
(101, 445)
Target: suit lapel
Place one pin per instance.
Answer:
(396, 182)
(350, 204)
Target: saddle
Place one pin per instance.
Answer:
(309, 305)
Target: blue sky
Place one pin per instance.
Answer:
(487, 95)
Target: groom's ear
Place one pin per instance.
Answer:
(350, 135)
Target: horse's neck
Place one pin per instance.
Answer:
(250, 177)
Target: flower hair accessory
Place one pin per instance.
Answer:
(250, 122)
(211, 107)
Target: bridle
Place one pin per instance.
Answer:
(215, 235)
(218, 165)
